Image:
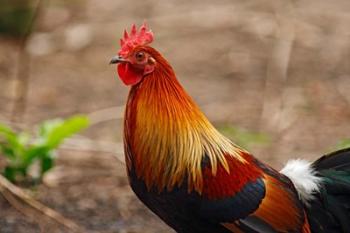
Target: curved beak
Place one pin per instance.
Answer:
(117, 59)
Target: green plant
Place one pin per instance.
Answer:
(15, 17)
(342, 144)
(243, 137)
(23, 150)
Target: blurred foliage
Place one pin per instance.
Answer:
(243, 137)
(15, 17)
(342, 144)
(22, 150)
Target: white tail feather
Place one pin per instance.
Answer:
(304, 178)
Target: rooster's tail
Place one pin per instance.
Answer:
(329, 210)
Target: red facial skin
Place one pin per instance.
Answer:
(128, 74)
(137, 66)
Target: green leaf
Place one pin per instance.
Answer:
(23, 138)
(52, 133)
(21, 151)
(10, 173)
(5, 130)
(7, 151)
(46, 164)
(10, 142)
(8, 136)
(33, 153)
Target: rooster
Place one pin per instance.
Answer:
(198, 181)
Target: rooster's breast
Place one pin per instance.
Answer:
(178, 208)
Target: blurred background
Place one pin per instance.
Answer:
(272, 75)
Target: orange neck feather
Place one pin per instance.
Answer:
(167, 136)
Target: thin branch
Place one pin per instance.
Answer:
(86, 144)
(278, 64)
(23, 69)
(106, 114)
(12, 193)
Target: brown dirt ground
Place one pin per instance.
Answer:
(267, 65)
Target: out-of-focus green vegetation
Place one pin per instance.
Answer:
(22, 150)
(243, 137)
(15, 17)
(342, 144)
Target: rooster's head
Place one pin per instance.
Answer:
(134, 58)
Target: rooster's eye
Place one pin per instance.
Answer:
(140, 56)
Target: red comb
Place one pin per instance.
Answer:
(143, 36)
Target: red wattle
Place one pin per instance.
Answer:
(128, 75)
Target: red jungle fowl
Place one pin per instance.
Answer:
(198, 181)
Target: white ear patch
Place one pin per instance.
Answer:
(303, 177)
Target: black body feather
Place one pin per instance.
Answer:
(329, 212)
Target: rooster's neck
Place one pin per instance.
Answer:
(167, 136)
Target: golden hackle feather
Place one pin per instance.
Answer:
(168, 134)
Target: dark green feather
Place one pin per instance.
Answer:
(329, 212)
